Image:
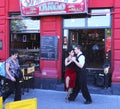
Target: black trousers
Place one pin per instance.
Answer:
(81, 84)
(107, 78)
(13, 87)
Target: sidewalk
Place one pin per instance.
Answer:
(49, 99)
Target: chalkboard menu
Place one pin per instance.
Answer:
(49, 47)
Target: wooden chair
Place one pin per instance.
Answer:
(28, 76)
(23, 104)
(22, 81)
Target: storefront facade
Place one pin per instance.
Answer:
(54, 28)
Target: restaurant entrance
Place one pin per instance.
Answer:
(94, 42)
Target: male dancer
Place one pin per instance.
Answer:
(81, 83)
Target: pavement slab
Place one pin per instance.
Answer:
(50, 99)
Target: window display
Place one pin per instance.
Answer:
(29, 48)
(25, 37)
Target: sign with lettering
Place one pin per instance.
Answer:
(52, 7)
(49, 47)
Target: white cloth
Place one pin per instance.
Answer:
(81, 59)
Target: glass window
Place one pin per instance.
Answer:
(100, 17)
(76, 22)
(25, 37)
(19, 23)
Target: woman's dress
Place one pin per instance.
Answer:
(71, 72)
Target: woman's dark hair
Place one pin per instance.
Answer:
(70, 49)
(14, 52)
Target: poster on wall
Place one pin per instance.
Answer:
(49, 47)
(52, 7)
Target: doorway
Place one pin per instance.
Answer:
(94, 44)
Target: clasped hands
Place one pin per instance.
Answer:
(73, 59)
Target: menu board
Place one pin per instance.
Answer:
(49, 47)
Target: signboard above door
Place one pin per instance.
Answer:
(52, 7)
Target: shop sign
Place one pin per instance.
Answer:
(52, 7)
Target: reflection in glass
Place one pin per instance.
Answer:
(77, 22)
(19, 23)
(101, 18)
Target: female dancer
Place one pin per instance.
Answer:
(70, 73)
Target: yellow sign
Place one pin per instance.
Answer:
(23, 104)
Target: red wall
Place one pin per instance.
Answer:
(100, 3)
(14, 6)
(116, 43)
(4, 28)
(53, 68)
(52, 26)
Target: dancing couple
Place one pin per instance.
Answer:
(75, 75)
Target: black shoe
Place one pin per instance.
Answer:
(88, 102)
(71, 99)
(3, 100)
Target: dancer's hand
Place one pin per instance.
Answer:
(12, 78)
(73, 59)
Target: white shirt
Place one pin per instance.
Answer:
(81, 59)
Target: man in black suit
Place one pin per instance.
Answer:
(81, 82)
